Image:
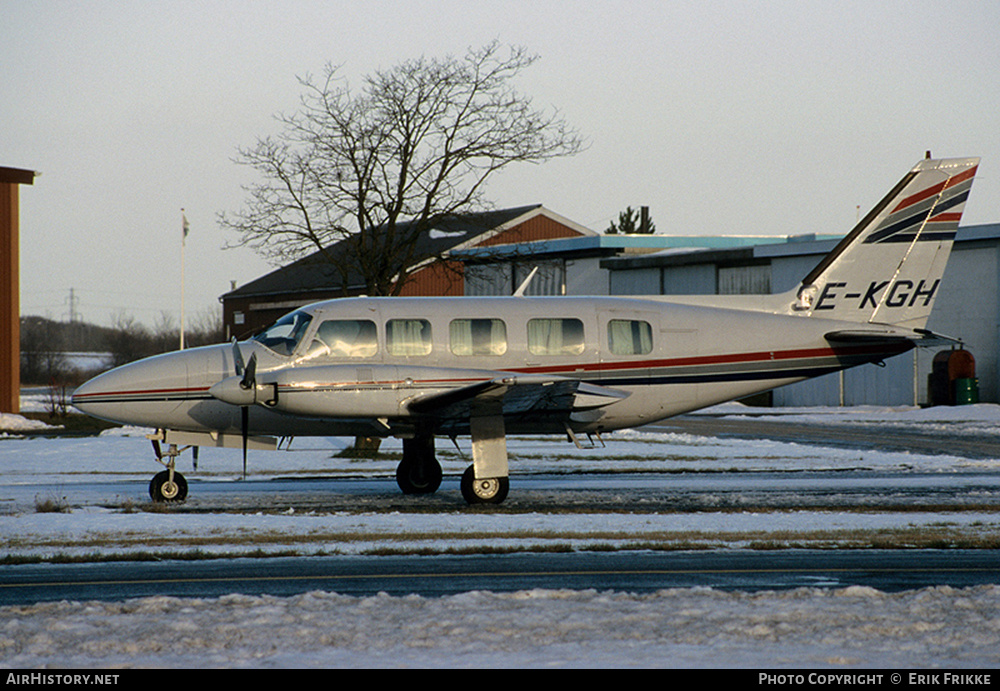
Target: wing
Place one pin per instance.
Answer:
(515, 396)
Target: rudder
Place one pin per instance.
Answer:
(888, 268)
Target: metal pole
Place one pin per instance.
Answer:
(184, 232)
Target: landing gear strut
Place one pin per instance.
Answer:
(167, 485)
(486, 481)
(419, 472)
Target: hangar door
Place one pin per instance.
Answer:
(744, 280)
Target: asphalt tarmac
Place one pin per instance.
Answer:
(434, 576)
(914, 438)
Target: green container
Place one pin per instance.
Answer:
(966, 391)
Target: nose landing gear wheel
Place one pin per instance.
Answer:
(490, 490)
(162, 488)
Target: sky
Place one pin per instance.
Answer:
(724, 117)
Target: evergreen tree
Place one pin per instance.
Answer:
(630, 222)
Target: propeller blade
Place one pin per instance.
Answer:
(250, 373)
(237, 357)
(245, 419)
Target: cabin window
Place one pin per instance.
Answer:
(478, 337)
(345, 338)
(408, 337)
(555, 336)
(630, 337)
(284, 335)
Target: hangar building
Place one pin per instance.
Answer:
(967, 307)
(496, 251)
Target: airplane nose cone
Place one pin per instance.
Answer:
(100, 389)
(79, 397)
(149, 391)
(94, 396)
(116, 394)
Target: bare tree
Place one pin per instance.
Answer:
(206, 328)
(128, 340)
(380, 167)
(42, 346)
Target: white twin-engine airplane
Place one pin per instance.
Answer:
(416, 368)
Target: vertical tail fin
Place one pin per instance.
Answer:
(889, 268)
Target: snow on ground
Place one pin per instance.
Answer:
(967, 419)
(18, 423)
(805, 628)
(842, 628)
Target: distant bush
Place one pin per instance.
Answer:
(51, 505)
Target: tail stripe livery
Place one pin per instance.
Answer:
(908, 220)
(937, 189)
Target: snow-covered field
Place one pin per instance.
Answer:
(852, 627)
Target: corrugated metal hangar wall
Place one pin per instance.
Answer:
(968, 307)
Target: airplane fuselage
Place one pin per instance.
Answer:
(661, 359)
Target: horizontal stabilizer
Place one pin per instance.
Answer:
(918, 337)
(871, 335)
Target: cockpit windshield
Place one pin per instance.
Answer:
(285, 334)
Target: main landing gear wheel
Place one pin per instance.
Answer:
(418, 478)
(488, 490)
(419, 472)
(162, 488)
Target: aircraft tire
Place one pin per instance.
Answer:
(162, 490)
(484, 490)
(419, 477)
